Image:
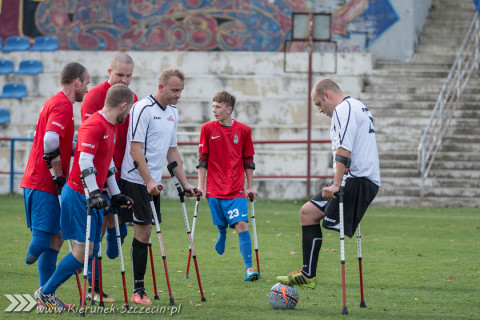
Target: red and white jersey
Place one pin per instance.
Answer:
(94, 101)
(226, 147)
(57, 116)
(96, 136)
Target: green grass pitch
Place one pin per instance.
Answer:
(419, 263)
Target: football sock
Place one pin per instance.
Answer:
(139, 261)
(65, 269)
(112, 250)
(245, 246)
(311, 244)
(222, 236)
(47, 263)
(39, 243)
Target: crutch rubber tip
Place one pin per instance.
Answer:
(82, 313)
(101, 304)
(362, 304)
(186, 276)
(344, 310)
(156, 297)
(204, 299)
(172, 302)
(92, 302)
(126, 307)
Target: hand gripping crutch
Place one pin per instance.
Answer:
(70, 246)
(250, 196)
(193, 232)
(152, 266)
(181, 194)
(346, 161)
(160, 240)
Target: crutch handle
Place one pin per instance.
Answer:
(251, 196)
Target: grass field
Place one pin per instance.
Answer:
(418, 264)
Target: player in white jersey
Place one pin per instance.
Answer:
(353, 139)
(151, 138)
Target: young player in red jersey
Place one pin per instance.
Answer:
(92, 165)
(53, 144)
(120, 71)
(226, 151)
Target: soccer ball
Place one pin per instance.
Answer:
(283, 296)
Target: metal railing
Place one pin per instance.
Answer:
(448, 100)
(12, 172)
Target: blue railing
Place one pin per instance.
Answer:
(12, 158)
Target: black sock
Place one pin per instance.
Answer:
(311, 244)
(139, 262)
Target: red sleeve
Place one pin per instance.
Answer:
(60, 117)
(203, 145)
(88, 138)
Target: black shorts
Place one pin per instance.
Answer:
(358, 194)
(141, 212)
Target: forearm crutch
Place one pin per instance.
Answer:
(359, 251)
(250, 196)
(120, 254)
(70, 246)
(193, 233)
(346, 162)
(87, 249)
(100, 275)
(162, 248)
(152, 266)
(181, 194)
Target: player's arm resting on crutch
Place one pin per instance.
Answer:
(118, 199)
(329, 192)
(249, 166)
(174, 155)
(51, 148)
(202, 167)
(136, 151)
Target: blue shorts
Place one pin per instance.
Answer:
(42, 210)
(73, 219)
(228, 211)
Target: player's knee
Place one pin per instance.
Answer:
(241, 226)
(40, 242)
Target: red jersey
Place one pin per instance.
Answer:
(94, 101)
(95, 136)
(226, 147)
(56, 115)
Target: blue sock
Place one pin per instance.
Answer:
(65, 269)
(47, 263)
(40, 242)
(222, 236)
(112, 249)
(245, 246)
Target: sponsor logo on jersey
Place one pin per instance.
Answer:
(87, 115)
(213, 138)
(58, 125)
(170, 118)
(105, 137)
(235, 139)
(157, 118)
(84, 144)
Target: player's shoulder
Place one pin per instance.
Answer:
(241, 125)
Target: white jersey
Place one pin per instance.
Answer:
(352, 129)
(156, 128)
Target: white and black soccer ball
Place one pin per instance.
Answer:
(283, 296)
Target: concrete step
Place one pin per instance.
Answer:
(392, 183)
(414, 191)
(422, 73)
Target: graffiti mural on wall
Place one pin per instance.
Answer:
(182, 25)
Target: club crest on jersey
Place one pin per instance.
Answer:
(170, 118)
(235, 139)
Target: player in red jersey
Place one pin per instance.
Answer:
(53, 144)
(120, 71)
(226, 151)
(92, 165)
